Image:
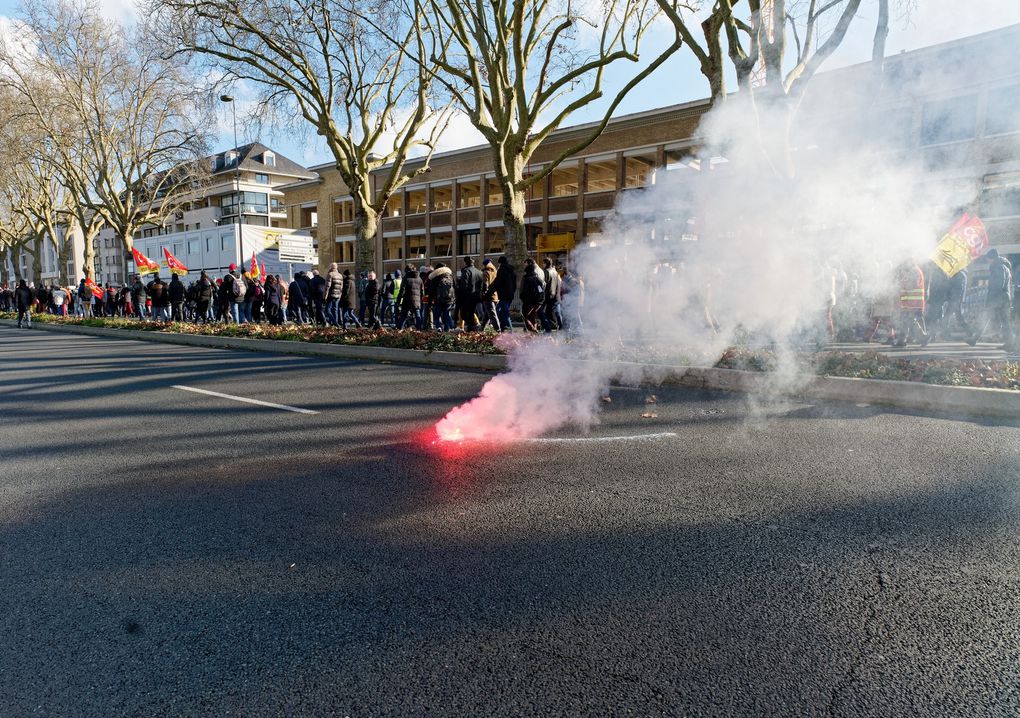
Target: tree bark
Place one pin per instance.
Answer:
(366, 222)
(90, 255)
(5, 274)
(36, 254)
(64, 254)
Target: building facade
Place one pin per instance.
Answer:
(456, 210)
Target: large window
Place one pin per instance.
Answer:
(1003, 110)
(1001, 201)
(442, 198)
(682, 160)
(394, 248)
(442, 245)
(470, 194)
(639, 171)
(416, 201)
(344, 211)
(345, 251)
(601, 176)
(251, 203)
(261, 178)
(564, 181)
(536, 190)
(416, 248)
(495, 194)
(394, 205)
(496, 240)
(949, 120)
(470, 242)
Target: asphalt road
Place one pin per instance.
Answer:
(169, 553)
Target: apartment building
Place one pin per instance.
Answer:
(953, 106)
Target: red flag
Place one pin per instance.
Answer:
(175, 265)
(144, 264)
(254, 271)
(263, 269)
(94, 288)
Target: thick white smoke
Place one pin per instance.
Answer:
(742, 243)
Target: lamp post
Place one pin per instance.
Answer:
(237, 165)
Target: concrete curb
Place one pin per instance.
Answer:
(1003, 403)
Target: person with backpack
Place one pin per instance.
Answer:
(551, 316)
(469, 294)
(234, 291)
(532, 295)
(409, 298)
(442, 296)
(60, 301)
(504, 285)
(998, 301)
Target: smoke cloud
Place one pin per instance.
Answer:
(744, 240)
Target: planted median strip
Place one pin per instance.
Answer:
(857, 365)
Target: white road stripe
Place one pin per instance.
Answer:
(603, 439)
(246, 400)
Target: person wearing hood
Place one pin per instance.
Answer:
(348, 301)
(532, 295)
(504, 286)
(203, 297)
(441, 296)
(372, 301)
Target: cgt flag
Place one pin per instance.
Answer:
(143, 263)
(94, 288)
(254, 271)
(173, 263)
(964, 242)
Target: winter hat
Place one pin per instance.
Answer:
(233, 267)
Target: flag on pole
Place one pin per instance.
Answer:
(144, 264)
(94, 287)
(964, 242)
(175, 265)
(254, 271)
(263, 270)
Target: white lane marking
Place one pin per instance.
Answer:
(246, 400)
(602, 439)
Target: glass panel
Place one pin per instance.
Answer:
(394, 206)
(416, 246)
(345, 252)
(1003, 110)
(564, 181)
(601, 176)
(639, 171)
(949, 120)
(470, 194)
(345, 211)
(394, 248)
(442, 245)
(682, 160)
(495, 194)
(537, 190)
(470, 242)
(496, 240)
(416, 202)
(442, 198)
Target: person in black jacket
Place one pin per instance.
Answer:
(348, 301)
(469, 294)
(274, 300)
(175, 295)
(23, 300)
(372, 301)
(532, 295)
(203, 297)
(160, 301)
(504, 286)
(409, 298)
(318, 287)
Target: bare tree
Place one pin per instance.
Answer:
(520, 68)
(775, 48)
(124, 125)
(323, 61)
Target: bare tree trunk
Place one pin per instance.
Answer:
(5, 274)
(90, 255)
(366, 222)
(36, 254)
(516, 243)
(881, 33)
(64, 254)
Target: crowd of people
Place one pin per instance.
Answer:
(422, 298)
(923, 303)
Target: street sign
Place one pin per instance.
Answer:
(296, 249)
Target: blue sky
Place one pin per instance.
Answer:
(679, 80)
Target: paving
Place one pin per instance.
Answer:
(168, 552)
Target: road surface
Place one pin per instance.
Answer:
(169, 552)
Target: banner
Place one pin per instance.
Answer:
(94, 288)
(254, 271)
(143, 263)
(173, 263)
(964, 242)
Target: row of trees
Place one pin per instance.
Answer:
(378, 81)
(98, 129)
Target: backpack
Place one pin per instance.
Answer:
(259, 291)
(445, 290)
(533, 288)
(237, 289)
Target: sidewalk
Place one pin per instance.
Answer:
(961, 351)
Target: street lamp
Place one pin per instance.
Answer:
(237, 160)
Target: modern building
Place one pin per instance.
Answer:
(456, 210)
(218, 227)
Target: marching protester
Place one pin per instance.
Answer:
(532, 295)
(552, 318)
(409, 299)
(998, 301)
(504, 286)
(487, 300)
(470, 283)
(175, 295)
(23, 300)
(348, 301)
(372, 302)
(334, 290)
(441, 296)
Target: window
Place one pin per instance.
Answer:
(564, 181)
(470, 194)
(269, 159)
(442, 198)
(1002, 201)
(601, 176)
(496, 240)
(227, 243)
(198, 225)
(275, 205)
(638, 171)
(345, 251)
(309, 217)
(344, 211)
(416, 201)
(208, 245)
(495, 194)
(1003, 113)
(394, 206)
(256, 220)
(230, 158)
(394, 248)
(682, 160)
(470, 242)
(536, 190)
(416, 248)
(442, 245)
(261, 178)
(949, 120)
(251, 203)
(193, 246)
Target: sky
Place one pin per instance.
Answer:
(678, 80)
